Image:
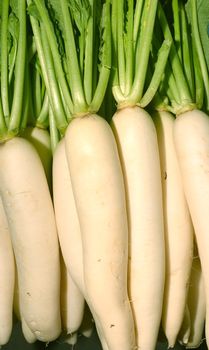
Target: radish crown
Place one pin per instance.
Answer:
(74, 49)
(132, 33)
(186, 71)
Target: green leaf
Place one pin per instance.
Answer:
(13, 27)
(33, 11)
(55, 12)
(203, 19)
(80, 17)
(14, 7)
(203, 22)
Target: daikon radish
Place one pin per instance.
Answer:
(7, 279)
(105, 280)
(28, 206)
(72, 302)
(29, 336)
(40, 139)
(136, 138)
(68, 225)
(191, 132)
(98, 188)
(66, 217)
(178, 230)
(196, 305)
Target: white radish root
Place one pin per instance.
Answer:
(28, 206)
(7, 278)
(178, 230)
(136, 138)
(99, 193)
(192, 144)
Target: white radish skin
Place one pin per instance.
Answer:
(29, 335)
(28, 206)
(72, 302)
(66, 217)
(137, 143)
(7, 278)
(191, 135)
(196, 304)
(68, 224)
(183, 336)
(178, 230)
(98, 188)
(40, 139)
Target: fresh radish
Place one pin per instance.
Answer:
(191, 140)
(191, 127)
(72, 304)
(68, 226)
(136, 137)
(40, 138)
(178, 228)
(28, 206)
(103, 224)
(196, 305)
(141, 168)
(104, 190)
(7, 279)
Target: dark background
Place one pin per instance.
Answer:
(17, 342)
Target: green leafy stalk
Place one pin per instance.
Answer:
(39, 47)
(137, 19)
(37, 98)
(130, 71)
(26, 98)
(4, 57)
(143, 50)
(177, 28)
(42, 118)
(181, 83)
(3, 128)
(200, 51)
(120, 46)
(13, 27)
(88, 62)
(157, 76)
(105, 64)
(129, 48)
(54, 50)
(53, 131)
(187, 56)
(199, 85)
(72, 61)
(16, 110)
(57, 104)
(77, 69)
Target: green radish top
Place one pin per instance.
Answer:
(132, 32)
(12, 67)
(73, 40)
(185, 83)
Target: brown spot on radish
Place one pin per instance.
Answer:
(165, 175)
(112, 325)
(28, 294)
